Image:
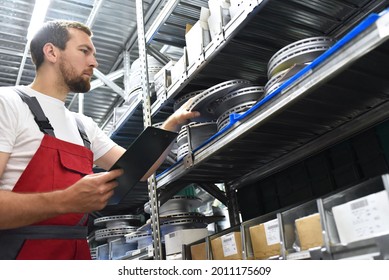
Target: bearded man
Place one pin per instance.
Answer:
(47, 187)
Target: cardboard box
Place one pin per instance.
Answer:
(198, 37)
(219, 16)
(227, 247)
(188, 27)
(362, 218)
(163, 79)
(235, 7)
(309, 231)
(199, 251)
(179, 68)
(265, 240)
(175, 239)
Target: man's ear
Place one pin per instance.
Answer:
(51, 52)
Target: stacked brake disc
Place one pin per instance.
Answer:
(116, 227)
(179, 212)
(215, 105)
(292, 58)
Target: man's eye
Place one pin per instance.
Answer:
(84, 51)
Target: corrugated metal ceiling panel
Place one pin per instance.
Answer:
(114, 24)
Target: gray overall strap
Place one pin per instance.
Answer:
(81, 130)
(43, 122)
(12, 240)
(40, 118)
(48, 232)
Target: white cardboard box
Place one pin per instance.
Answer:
(235, 7)
(175, 239)
(178, 69)
(220, 16)
(198, 37)
(362, 218)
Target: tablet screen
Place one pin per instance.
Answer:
(138, 159)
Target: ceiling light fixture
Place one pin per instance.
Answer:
(37, 18)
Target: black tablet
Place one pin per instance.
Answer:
(138, 159)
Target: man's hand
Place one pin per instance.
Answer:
(180, 117)
(90, 193)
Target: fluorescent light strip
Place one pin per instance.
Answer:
(37, 18)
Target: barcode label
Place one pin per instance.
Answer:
(273, 227)
(359, 204)
(229, 245)
(228, 239)
(272, 232)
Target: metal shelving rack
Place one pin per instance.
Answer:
(280, 129)
(307, 89)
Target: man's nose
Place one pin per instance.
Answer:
(94, 62)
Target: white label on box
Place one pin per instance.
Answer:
(272, 232)
(383, 25)
(229, 244)
(362, 218)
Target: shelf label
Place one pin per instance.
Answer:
(272, 232)
(299, 255)
(229, 244)
(369, 256)
(383, 25)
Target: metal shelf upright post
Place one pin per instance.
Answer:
(232, 204)
(152, 185)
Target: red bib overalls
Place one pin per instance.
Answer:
(55, 166)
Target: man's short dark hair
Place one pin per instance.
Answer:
(55, 32)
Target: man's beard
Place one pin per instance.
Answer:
(74, 82)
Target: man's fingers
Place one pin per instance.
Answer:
(113, 174)
(112, 184)
(188, 103)
(110, 175)
(193, 114)
(107, 187)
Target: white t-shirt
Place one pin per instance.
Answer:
(21, 137)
